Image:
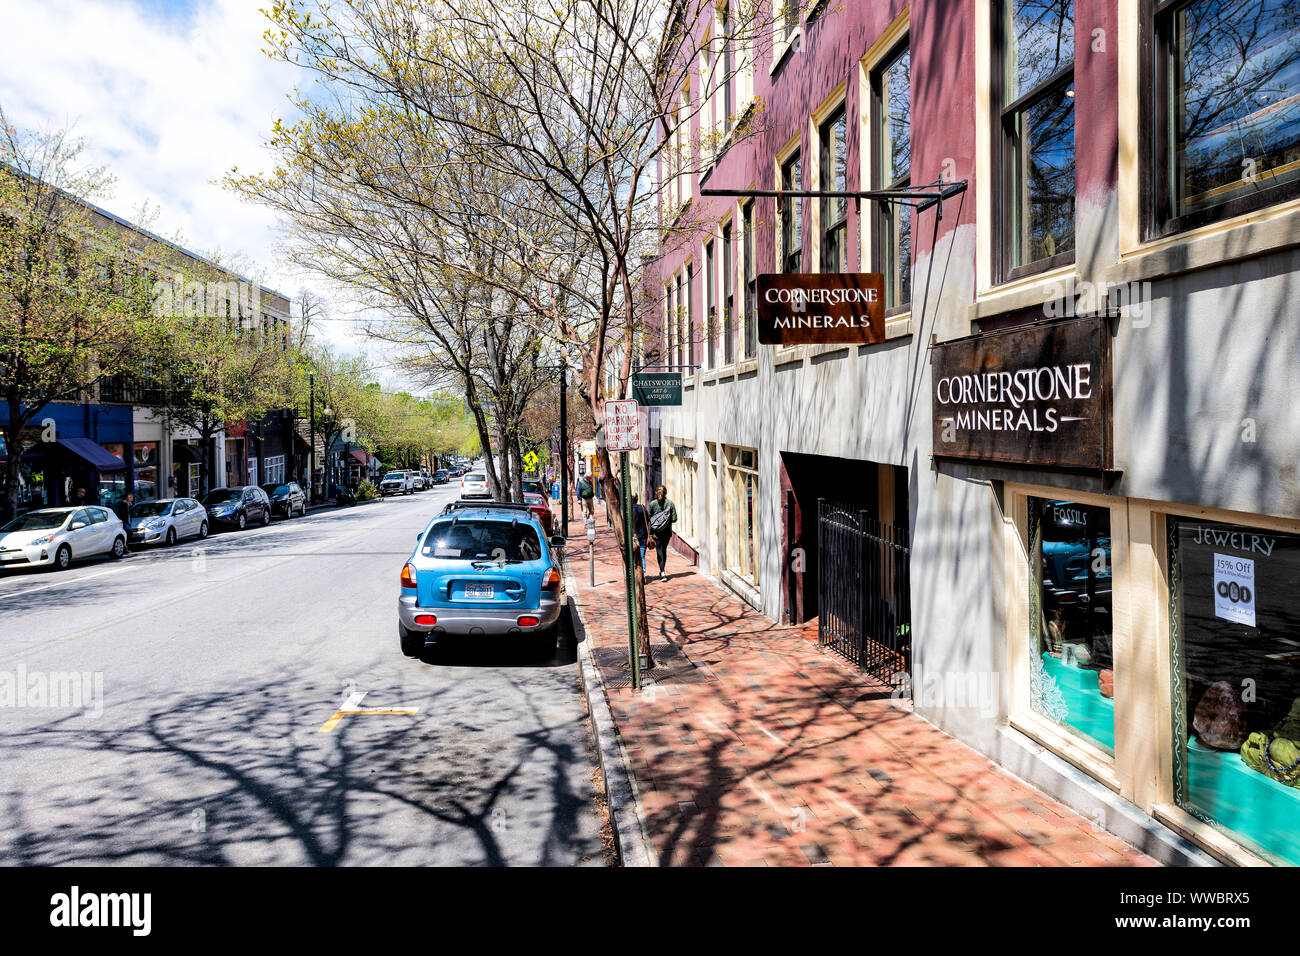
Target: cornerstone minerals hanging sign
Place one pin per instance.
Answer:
(1038, 395)
(821, 309)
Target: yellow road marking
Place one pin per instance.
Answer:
(350, 709)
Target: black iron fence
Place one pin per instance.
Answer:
(864, 591)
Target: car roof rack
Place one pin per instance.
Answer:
(469, 504)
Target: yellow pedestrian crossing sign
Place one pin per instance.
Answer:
(530, 461)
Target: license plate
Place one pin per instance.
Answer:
(479, 591)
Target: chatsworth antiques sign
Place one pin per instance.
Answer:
(816, 309)
(1036, 395)
(657, 388)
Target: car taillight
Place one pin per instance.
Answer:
(408, 576)
(529, 621)
(552, 580)
(426, 619)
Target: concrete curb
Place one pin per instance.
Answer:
(625, 813)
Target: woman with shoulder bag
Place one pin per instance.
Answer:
(661, 515)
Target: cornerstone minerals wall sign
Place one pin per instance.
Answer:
(814, 309)
(1037, 395)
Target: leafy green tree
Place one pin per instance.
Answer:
(74, 300)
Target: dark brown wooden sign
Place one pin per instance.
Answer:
(812, 309)
(1039, 395)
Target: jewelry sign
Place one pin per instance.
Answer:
(1036, 395)
(821, 309)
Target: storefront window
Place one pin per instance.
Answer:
(112, 484)
(1236, 660)
(741, 508)
(146, 470)
(1072, 680)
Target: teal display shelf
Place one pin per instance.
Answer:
(1086, 710)
(1266, 813)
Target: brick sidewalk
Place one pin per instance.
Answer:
(771, 751)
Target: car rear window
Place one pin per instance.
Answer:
(474, 477)
(482, 541)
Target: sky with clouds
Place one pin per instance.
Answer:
(168, 94)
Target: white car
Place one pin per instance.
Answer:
(166, 520)
(57, 536)
(396, 483)
(474, 485)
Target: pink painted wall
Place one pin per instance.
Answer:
(942, 41)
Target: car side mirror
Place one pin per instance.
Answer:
(77, 525)
(557, 540)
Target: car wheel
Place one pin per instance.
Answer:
(62, 558)
(412, 641)
(266, 517)
(119, 547)
(203, 530)
(171, 537)
(242, 522)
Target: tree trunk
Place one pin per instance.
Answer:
(614, 503)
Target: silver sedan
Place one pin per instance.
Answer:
(166, 521)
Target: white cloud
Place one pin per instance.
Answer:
(169, 94)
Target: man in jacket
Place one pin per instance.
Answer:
(586, 494)
(661, 515)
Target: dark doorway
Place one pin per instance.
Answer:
(877, 489)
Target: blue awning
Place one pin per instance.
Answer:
(102, 459)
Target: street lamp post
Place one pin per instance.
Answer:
(564, 446)
(311, 477)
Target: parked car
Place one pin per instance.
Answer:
(440, 476)
(475, 485)
(418, 481)
(58, 536)
(287, 498)
(533, 486)
(538, 506)
(396, 483)
(166, 521)
(237, 507)
(480, 570)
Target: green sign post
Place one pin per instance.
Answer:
(635, 657)
(657, 388)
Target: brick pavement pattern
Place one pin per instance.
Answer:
(785, 755)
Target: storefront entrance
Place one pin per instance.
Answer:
(878, 490)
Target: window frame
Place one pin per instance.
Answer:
(728, 298)
(1156, 143)
(790, 236)
(829, 230)
(749, 276)
(710, 303)
(1004, 139)
(882, 219)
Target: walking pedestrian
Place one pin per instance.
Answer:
(586, 496)
(640, 525)
(661, 515)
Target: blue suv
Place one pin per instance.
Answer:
(481, 569)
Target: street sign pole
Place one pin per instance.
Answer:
(634, 656)
(622, 420)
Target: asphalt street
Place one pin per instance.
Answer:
(168, 709)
